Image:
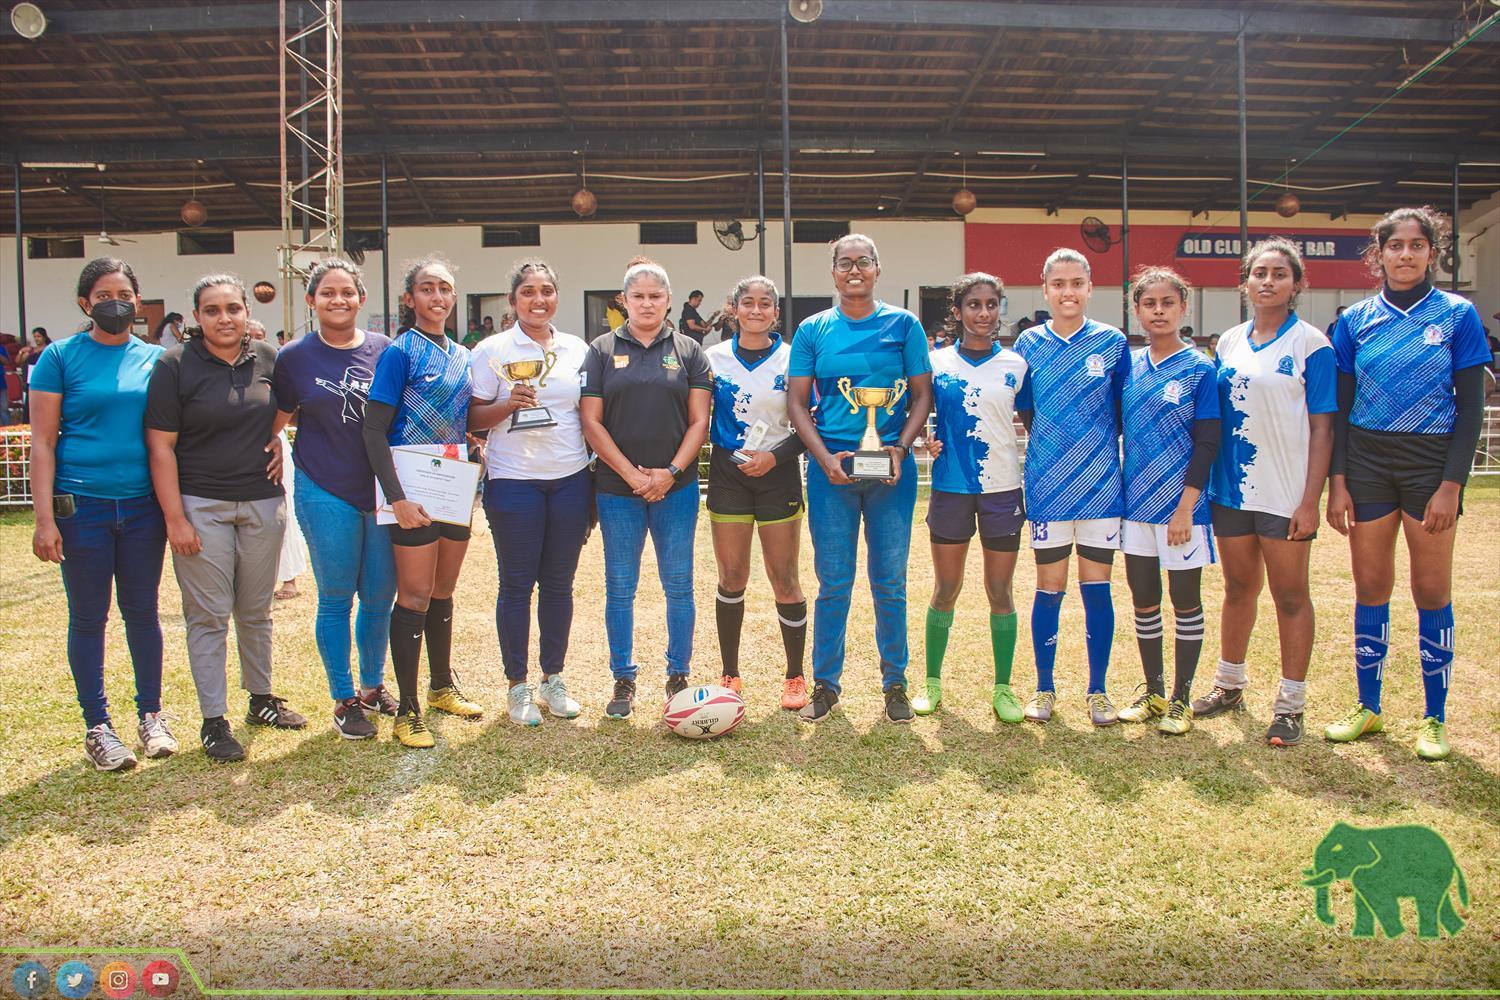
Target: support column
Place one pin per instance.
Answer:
(1239, 45)
(1453, 281)
(385, 245)
(760, 225)
(1125, 242)
(20, 266)
(787, 326)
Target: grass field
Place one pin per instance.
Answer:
(954, 853)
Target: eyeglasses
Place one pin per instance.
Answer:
(844, 264)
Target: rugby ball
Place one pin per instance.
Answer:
(703, 712)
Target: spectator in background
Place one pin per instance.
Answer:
(614, 313)
(1186, 333)
(256, 329)
(1213, 346)
(1336, 314)
(691, 324)
(25, 360)
(169, 332)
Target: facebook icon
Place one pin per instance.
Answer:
(29, 980)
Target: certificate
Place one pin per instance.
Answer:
(432, 475)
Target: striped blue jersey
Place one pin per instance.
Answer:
(1162, 401)
(745, 393)
(1073, 454)
(1403, 362)
(975, 404)
(429, 387)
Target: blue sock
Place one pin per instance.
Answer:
(1372, 638)
(1045, 612)
(1435, 645)
(1098, 630)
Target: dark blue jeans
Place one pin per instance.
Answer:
(538, 527)
(117, 544)
(672, 523)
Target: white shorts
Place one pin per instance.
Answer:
(1141, 539)
(1099, 532)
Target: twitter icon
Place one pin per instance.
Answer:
(29, 980)
(74, 980)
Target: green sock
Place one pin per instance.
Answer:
(938, 625)
(1003, 643)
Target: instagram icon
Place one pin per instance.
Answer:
(117, 981)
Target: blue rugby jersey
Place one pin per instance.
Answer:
(428, 386)
(1073, 453)
(975, 403)
(1403, 362)
(745, 393)
(1161, 404)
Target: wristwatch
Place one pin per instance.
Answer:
(904, 449)
(674, 470)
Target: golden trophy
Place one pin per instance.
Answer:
(520, 373)
(871, 461)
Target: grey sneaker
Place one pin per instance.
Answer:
(553, 695)
(1102, 710)
(156, 738)
(105, 751)
(523, 711)
(1039, 708)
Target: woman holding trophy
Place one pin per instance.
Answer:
(538, 490)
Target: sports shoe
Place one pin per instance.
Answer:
(824, 700)
(1007, 706)
(1145, 708)
(676, 684)
(1432, 744)
(623, 701)
(897, 704)
(380, 700)
(552, 693)
(451, 699)
(1102, 710)
(349, 720)
(269, 710)
(794, 693)
(156, 738)
(928, 698)
(1039, 708)
(411, 731)
(1351, 727)
(105, 751)
(1177, 721)
(219, 742)
(1285, 731)
(523, 710)
(1218, 700)
(734, 683)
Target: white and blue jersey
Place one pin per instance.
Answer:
(428, 385)
(1161, 403)
(746, 393)
(1403, 362)
(976, 404)
(1073, 453)
(1266, 392)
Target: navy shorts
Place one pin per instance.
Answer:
(952, 518)
(1231, 522)
(1386, 471)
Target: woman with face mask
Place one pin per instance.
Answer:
(95, 513)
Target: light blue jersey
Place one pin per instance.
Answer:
(1161, 404)
(429, 387)
(976, 404)
(1073, 454)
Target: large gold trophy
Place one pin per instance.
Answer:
(520, 373)
(872, 461)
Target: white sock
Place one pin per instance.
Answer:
(1291, 698)
(1231, 676)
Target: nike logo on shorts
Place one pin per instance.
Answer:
(1190, 554)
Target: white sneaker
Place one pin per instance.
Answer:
(554, 697)
(523, 711)
(105, 751)
(156, 738)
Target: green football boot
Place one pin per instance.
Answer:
(1007, 705)
(1432, 744)
(927, 701)
(1351, 727)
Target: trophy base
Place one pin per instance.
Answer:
(530, 419)
(871, 465)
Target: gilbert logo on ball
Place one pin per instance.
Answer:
(703, 712)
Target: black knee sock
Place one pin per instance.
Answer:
(1189, 646)
(729, 614)
(440, 641)
(1148, 632)
(406, 651)
(793, 618)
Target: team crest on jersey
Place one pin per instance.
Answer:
(1432, 335)
(670, 362)
(779, 385)
(1010, 380)
(1172, 391)
(1284, 366)
(1096, 365)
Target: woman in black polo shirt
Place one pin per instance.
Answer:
(209, 411)
(644, 409)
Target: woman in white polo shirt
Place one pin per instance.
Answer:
(540, 493)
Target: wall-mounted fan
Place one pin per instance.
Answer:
(732, 234)
(1095, 234)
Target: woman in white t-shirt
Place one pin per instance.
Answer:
(539, 493)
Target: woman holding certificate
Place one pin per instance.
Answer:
(419, 403)
(539, 490)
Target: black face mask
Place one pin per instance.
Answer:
(113, 315)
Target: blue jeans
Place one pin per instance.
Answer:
(673, 523)
(350, 555)
(833, 515)
(119, 542)
(538, 527)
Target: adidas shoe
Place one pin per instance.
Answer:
(219, 742)
(269, 710)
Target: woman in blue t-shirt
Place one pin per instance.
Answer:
(324, 380)
(95, 513)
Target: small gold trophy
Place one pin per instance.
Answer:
(872, 461)
(519, 373)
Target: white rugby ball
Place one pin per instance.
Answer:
(703, 712)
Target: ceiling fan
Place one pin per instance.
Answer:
(104, 237)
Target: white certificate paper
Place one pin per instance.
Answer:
(432, 476)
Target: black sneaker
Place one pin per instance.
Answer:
(219, 742)
(269, 710)
(897, 704)
(1285, 731)
(349, 721)
(624, 700)
(676, 684)
(824, 700)
(1218, 701)
(379, 700)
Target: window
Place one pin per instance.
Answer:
(669, 232)
(815, 231)
(510, 236)
(199, 242)
(54, 248)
